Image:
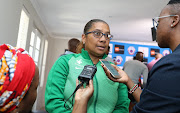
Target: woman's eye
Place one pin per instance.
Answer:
(98, 33)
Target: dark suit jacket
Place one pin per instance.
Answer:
(162, 92)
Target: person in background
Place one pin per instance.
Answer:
(72, 46)
(135, 69)
(162, 92)
(158, 56)
(108, 58)
(108, 97)
(19, 79)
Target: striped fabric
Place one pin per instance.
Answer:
(17, 70)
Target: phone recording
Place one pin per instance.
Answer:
(111, 69)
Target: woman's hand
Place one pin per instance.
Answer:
(124, 77)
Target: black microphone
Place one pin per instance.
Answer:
(87, 74)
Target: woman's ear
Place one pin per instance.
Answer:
(83, 38)
(175, 21)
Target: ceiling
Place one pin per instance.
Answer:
(129, 20)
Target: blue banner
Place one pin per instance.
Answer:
(122, 52)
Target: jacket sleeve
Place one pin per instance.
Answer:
(122, 105)
(54, 97)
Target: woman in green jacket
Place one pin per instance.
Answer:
(108, 96)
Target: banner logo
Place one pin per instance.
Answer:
(153, 52)
(119, 49)
(131, 50)
(119, 60)
(166, 52)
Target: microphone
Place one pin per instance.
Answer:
(87, 74)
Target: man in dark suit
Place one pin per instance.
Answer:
(162, 92)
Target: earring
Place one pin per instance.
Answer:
(171, 25)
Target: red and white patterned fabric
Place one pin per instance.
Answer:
(17, 70)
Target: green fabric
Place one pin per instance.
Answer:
(108, 96)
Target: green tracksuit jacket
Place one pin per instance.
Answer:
(108, 96)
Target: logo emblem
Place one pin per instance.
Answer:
(119, 49)
(119, 60)
(153, 52)
(79, 61)
(166, 52)
(131, 50)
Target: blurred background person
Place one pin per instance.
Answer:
(72, 46)
(19, 79)
(158, 56)
(136, 69)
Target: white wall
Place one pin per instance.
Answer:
(10, 11)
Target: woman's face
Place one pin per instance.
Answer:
(96, 46)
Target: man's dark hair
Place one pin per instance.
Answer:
(173, 2)
(72, 44)
(175, 5)
(139, 56)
